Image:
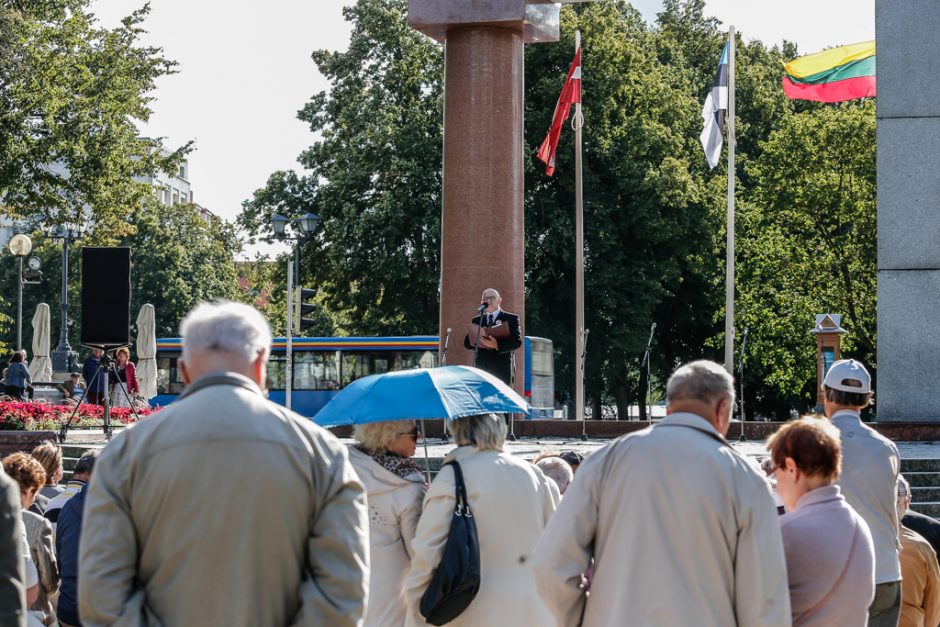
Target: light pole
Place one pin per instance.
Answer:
(20, 246)
(63, 357)
(303, 230)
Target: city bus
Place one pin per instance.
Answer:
(324, 365)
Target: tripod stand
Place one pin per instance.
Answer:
(105, 367)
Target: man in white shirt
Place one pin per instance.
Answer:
(870, 467)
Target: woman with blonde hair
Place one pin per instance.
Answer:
(828, 547)
(394, 484)
(510, 501)
(49, 455)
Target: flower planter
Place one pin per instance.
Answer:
(18, 416)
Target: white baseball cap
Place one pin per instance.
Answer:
(846, 372)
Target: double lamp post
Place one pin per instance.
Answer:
(302, 230)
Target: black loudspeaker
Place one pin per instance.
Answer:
(106, 297)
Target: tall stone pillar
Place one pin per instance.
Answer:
(483, 218)
(908, 36)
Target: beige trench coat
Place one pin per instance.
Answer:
(394, 508)
(683, 530)
(224, 509)
(511, 501)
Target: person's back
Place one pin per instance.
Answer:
(221, 491)
(511, 502)
(920, 582)
(69, 531)
(682, 529)
(688, 497)
(926, 526)
(828, 541)
(870, 467)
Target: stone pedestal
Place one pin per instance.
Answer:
(482, 220)
(908, 35)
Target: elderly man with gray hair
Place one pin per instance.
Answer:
(224, 508)
(682, 528)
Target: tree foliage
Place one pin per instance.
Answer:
(179, 260)
(808, 246)
(70, 91)
(373, 175)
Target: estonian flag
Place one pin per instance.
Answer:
(716, 105)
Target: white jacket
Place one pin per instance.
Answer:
(394, 508)
(511, 502)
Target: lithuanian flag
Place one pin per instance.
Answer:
(834, 75)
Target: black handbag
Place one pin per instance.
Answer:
(456, 580)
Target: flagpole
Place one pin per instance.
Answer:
(579, 253)
(729, 254)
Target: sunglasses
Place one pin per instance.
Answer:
(415, 433)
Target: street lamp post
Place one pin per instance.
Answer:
(302, 230)
(20, 245)
(63, 357)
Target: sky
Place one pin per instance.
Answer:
(245, 70)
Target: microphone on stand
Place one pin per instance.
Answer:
(646, 354)
(446, 342)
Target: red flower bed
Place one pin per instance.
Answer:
(16, 415)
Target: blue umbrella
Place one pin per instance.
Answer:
(445, 392)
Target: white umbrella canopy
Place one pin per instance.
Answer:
(40, 368)
(147, 351)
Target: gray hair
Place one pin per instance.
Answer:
(225, 327)
(904, 488)
(86, 463)
(700, 380)
(374, 436)
(487, 432)
(558, 470)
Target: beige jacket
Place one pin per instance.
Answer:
(683, 531)
(394, 508)
(42, 551)
(920, 582)
(224, 509)
(511, 501)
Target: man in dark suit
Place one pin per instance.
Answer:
(496, 355)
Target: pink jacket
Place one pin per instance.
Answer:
(830, 561)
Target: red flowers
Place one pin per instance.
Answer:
(16, 415)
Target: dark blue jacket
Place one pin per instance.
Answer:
(89, 367)
(68, 531)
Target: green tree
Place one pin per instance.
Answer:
(374, 176)
(70, 91)
(649, 226)
(807, 246)
(179, 260)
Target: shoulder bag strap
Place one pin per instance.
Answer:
(463, 504)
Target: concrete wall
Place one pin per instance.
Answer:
(908, 35)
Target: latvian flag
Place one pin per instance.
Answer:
(570, 94)
(716, 105)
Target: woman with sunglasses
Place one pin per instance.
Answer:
(828, 547)
(395, 487)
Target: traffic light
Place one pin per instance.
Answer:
(302, 309)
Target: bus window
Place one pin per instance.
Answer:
(168, 377)
(277, 372)
(315, 371)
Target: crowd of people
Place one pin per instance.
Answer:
(48, 528)
(225, 508)
(123, 386)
